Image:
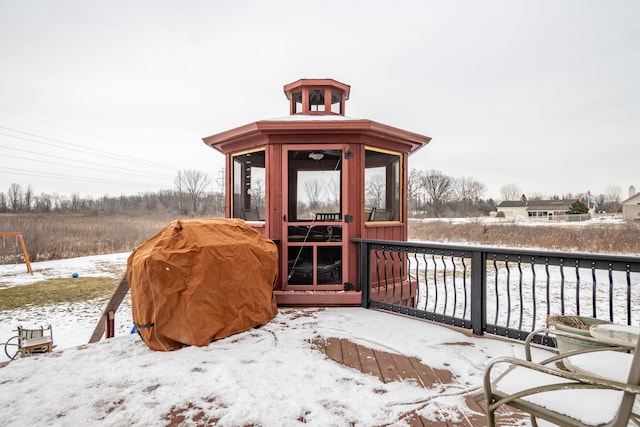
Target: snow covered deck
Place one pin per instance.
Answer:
(316, 367)
(389, 367)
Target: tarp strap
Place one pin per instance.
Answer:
(146, 325)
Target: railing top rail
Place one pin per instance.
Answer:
(617, 262)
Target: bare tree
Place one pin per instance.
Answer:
(75, 201)
(195, 184)
(43, 203)
(28, 198)
(414, 190)
(313, 188)
(375, 191)
(14, 194)
(510, 192)
(438, 189)
(535, 196)
(179, 182)
(612, 197)
(468, 190)
(258, 194)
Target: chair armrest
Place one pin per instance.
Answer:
(597, 382)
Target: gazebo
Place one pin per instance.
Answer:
(314, 180)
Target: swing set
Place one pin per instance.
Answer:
(4, 255)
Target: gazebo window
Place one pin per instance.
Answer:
(382, 185)
(248, 182)
(314, 184)
(316, 100)
(297, 102)
(336, 102)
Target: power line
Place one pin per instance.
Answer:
(48, 123)
(71, 177)
(93, 152)
(76, 148)
(127, 171)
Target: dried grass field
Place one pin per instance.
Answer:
(59, 236)
(590, 236)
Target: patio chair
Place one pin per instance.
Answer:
(599, 389)
(38, 340)
(328, 216)
(378, 214)
(251, 214)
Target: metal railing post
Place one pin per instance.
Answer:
(478, 292)
(364, 273)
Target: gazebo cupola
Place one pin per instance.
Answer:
(313, 181)
(317, 96)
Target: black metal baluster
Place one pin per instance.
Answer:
(444, 283)
(533, 294)
(562, 286)
(594, 294)
(506, 265)
(415, 256)
(610, 292)
(546, 269)
(578, 287)
(435, 282)
(521, 296)
(628, 294)
(378, 278)
(426, 280)
(386, 275)
(497, 294)
(455, 288)
(465, 315)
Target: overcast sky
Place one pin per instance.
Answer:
(113, 97)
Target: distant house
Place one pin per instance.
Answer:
(536, 210)
(631, 206)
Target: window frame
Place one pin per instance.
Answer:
(259, 208)
(394, 194)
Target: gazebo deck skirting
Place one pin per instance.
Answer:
(322, 298)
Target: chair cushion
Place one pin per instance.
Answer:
(589, 406)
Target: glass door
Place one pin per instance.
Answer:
(314, 243)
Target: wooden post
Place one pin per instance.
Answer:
(111, 316)
(112, 307)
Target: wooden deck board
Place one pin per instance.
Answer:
(387, 367)
(397, 367)
(427, 376)
(333, 349)
(405, 369)
(368, 362)
(350, 354)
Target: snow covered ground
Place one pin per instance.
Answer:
(72, 323)
(520, 220)
(268, 376)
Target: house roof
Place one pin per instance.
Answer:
(563, 204)
(632, 200)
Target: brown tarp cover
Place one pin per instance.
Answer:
(200, 280)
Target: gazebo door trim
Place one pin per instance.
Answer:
(321, 239)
